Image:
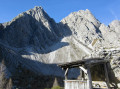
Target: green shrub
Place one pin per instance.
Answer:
(57, 87)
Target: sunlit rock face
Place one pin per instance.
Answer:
(84, 26)
(110, 34)
(35, 41)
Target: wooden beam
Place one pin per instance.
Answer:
(82, 68)
(66, 71)
(106, 75)
(95, 62)
(80, 74)
(78, 63)
(89, 81)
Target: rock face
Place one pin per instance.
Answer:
(110, 34)
(30, 28)
(84, 26)
(36, 42)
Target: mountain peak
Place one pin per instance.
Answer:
(38, 7)
(85, 15)
(38, 13)
(115, 23)
(87, 11)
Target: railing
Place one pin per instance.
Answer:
(75, 84)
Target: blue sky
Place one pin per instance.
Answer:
(104, 10)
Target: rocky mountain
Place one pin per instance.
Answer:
(34, 42)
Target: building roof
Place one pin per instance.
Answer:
(85, 62)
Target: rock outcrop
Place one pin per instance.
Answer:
(110, 34)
